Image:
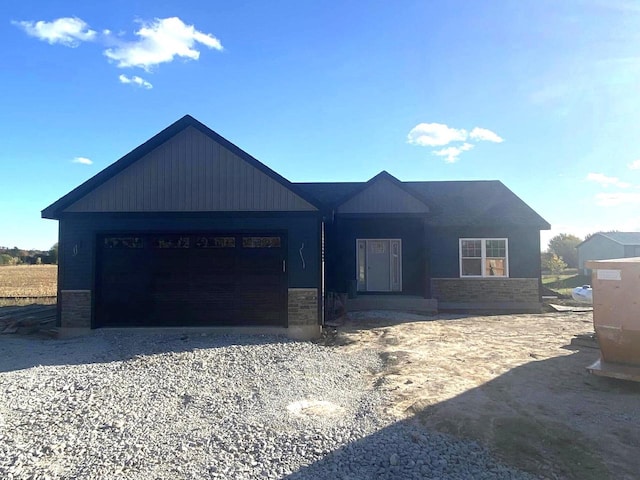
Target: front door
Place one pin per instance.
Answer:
(379, 265)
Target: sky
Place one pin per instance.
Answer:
(539, 94)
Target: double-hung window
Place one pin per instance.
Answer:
(484, 257)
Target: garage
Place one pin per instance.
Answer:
(188, 230)
(195, 279)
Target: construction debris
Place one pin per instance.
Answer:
(570, 308)
(29, 319)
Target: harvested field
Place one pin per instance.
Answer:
(515, 383)
(28, 281)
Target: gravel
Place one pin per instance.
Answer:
(169, 406)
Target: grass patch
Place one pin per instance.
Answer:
(564, 283)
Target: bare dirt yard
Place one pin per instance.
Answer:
(32, 281)
(515, 383)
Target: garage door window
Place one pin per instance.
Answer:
(261, 242)
(123, 242)
(216, 242)
(170, 241)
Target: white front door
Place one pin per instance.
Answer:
(379, 265)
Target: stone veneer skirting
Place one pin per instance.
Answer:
(303, 321)
(303, 307)
(496, 293)
(75, 308)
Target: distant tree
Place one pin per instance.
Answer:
(544, 260)
(38, 261)
(564, 246)
(554, 264)
(53, 253)
(6, 259)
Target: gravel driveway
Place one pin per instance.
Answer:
(169, 406)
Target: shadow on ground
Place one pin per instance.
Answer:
(18, 352)
(538, 417)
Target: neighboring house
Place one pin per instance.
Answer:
(188, 229)
(604, 246)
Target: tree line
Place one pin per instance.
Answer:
(18, 256)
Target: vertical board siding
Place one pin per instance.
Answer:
(190, 172)
(383, 197)
(341, 254)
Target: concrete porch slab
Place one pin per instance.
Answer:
(402, 303)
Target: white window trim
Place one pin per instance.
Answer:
(483, 257)
(366, 262)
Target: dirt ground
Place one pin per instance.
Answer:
(515, 383)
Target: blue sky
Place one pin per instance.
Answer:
(540, 94)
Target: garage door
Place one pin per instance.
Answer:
(194, 280)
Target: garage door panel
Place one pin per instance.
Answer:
(218, 258)
(252, 263)
(180, 280)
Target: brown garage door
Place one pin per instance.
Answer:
(191, 279)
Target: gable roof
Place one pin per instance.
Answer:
(444, 203)
(452, 203)
(622, 238)
(383, 193)
(55, 209)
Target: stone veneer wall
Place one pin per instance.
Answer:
(485, 290)
(75, 309)
(303, 307)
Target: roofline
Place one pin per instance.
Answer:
(587, 239)
(54, 210)
(606, 235)
(543, 224)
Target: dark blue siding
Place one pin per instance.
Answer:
(341, 250)
(524, 249)
(78, 233)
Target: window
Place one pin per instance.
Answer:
(483, 257)
(123, 242)
(261, 242)
(170, 241)
(215, 242)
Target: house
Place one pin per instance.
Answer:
(609, 245)
(190, 230)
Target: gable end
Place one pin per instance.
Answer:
(383, 194)
(186, 167)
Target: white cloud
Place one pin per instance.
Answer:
(69, 31)
(82, 160)
(618, 198)
(439, 134)
(482, 134)
(606, 181)
(435, 135)
(635, 165)
(161, 41)
(451, 154)
(135, 80)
